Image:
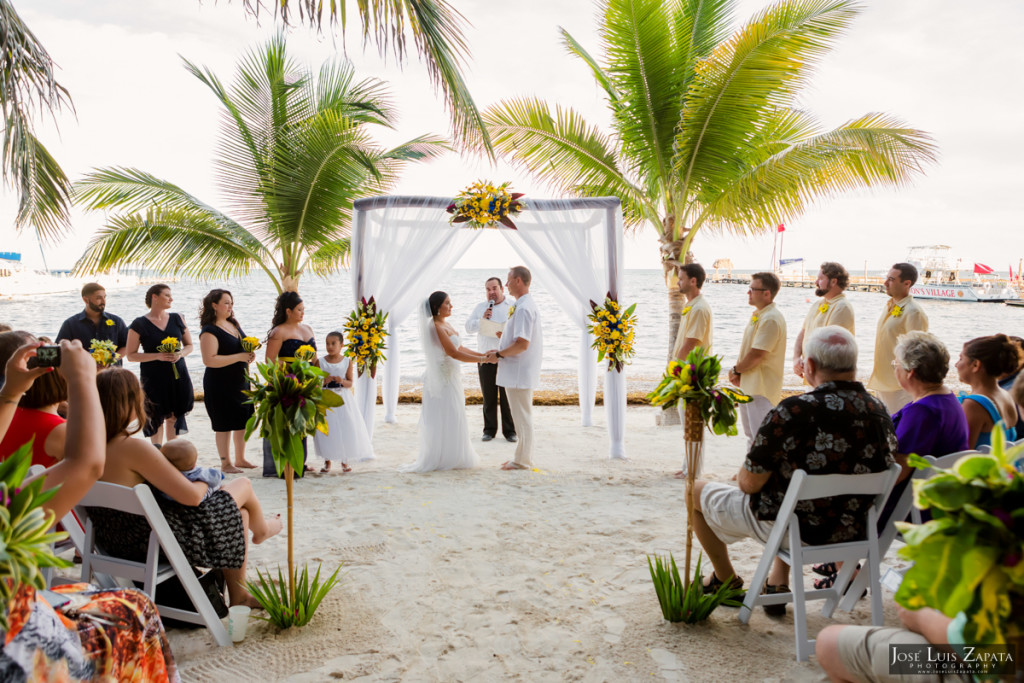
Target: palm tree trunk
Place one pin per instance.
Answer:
(290, 282)
(288, 482)
(669, 262)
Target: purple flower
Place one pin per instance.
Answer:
(1011, 559)
(1003, 516)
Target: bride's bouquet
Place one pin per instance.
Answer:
(171, 345)
(613, 332)
(483, 205)
(366, 332)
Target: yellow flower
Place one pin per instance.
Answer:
(305, 352)
(110, 323)
(753, 319)
(896, 312)
(823, 308)
(616, 334)
(169, 340)
(511, 310)
(687, 310)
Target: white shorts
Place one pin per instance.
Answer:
(727, 511)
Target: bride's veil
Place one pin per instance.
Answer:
(433, 376)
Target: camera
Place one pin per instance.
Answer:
(333, 385)
(47, 356)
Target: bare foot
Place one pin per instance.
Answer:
(249, 601)
(228, 468)
(246, 464)
(345, 467)
(513, 465)
(326, 468)
(274, 527)
(680, 475)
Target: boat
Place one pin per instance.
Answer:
(17, 279)
(938, 277)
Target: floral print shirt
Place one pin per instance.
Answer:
(837, 428)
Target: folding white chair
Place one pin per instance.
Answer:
(140, 501)
(805, 487)
(903, 507)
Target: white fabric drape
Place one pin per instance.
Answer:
(402, 246)
(400, 252)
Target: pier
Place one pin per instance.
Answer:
(857, 283)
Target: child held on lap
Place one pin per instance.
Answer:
(183, 455)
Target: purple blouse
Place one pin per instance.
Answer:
(932, 425)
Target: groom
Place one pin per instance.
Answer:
(518, 356)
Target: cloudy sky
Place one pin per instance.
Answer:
(952, 70)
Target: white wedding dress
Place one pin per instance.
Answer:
(444, 435)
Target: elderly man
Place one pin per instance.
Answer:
(831, 309)
(495, 309)
(835, 428)
(94, 322)
(762, 361)
(901, 315)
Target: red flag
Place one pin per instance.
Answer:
(781, 228)
(1011, 273)
(982, 269)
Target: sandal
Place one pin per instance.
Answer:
(715, 583)
(825, 569)
(825, 582)
(775, 610)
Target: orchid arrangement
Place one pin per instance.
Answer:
(613, 332)
(104, 352)
(970, 556)
(483, 205)
(171, 345)
(366, 332)
(695, 381)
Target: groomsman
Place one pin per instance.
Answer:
(762, 361)
(831, 309)
(519, 357)
(94, 322)
(695, 322)
(495, 309)
(901, 315)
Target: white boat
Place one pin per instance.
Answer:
(938, 277)
(17, 279)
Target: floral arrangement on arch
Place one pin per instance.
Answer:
(695, 381)
(366, 332)
(483, 205)
(104, 352)
(613, 331)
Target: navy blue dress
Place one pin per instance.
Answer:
(288, 349)
(222, 387)
(165, 396)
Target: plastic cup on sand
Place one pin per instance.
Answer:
(238, 619)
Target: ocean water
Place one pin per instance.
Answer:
(328, 302)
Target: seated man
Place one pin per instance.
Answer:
(836, 428)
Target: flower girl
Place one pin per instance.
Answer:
(346, 438)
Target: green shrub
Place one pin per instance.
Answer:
(273, 596)
(687, 604)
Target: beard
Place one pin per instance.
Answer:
(96, 308)
(820, 292)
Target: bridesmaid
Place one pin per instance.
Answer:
(287, 333)
(220, 341)
(169, 398)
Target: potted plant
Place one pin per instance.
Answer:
(290, 404)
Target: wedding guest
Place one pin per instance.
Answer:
(36, 415)
(759, 370)
(184, 456)
(695, 328)
(519, 355)
(220, 342)
(287, 333)
(1007, 380)
(902, 314)
(982, 361)
(346, 438)
(832, 308)
(164, 375)
(94, 322)
(495, 309)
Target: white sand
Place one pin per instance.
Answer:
(485, 575)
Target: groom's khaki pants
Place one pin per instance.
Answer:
(521, 403)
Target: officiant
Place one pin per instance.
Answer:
(487, 320)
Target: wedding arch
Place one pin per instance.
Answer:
(403, 246)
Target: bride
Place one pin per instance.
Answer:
(444, 436)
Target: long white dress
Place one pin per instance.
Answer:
(346, 438)
(444, 435)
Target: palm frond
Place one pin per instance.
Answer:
(329, 258)
(875, 150)
(574, 47)
(367, 101)
(700, 25)
(44, 190)
(760, 69)
(174, 242)
(561, 150)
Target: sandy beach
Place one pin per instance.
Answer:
(485, 575)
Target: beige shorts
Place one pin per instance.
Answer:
(864, 651)
(727, 511)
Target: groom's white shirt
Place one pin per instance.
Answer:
(498, 315)
(522, 371)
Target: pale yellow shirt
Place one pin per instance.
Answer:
(767, 334)
(837, 312)
(890, 327)
(695, 324)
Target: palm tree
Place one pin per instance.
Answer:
(293, 156)
(28, 84)
(436, 29)
(705, 131)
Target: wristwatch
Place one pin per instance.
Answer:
(498, 355)
(735, 371)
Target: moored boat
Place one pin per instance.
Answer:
(939, 278)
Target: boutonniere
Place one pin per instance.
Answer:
(896, 312)
(823, 308)
(753, 319)
(687, 310)
(110, 323)
(511, 310)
